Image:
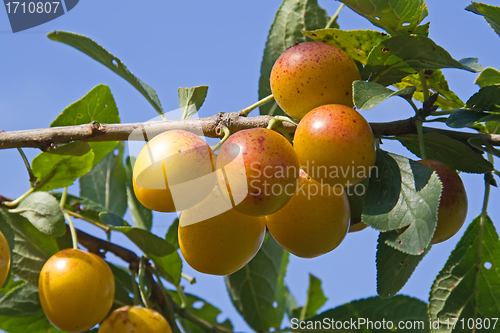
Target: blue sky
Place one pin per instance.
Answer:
(170, 44)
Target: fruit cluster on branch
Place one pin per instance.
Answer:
(47, 138)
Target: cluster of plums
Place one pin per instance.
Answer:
(258, 180)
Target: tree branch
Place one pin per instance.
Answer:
(47, 138)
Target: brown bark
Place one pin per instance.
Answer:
(46, 138)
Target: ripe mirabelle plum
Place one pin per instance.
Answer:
(312, 74)
(452, 210)
(259, 169)
(314, 221)
(216, 239)
(335, 145)
(76, 290)
(134, 319)
(4, 259)
(169, 167)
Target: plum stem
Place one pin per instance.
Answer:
(14, 203)
(188, 278)
(64, 197)
(227, 133)
(409, 100)
(289, 120)
(135, 288)
(281, 129)
(28, 167)
(334, 17)
(181, 294)
(420, 132)
(487, 186)
(74, 237)
(244, 112)
(94, 223)
(423, 81)
(68, 218)
(276, 124)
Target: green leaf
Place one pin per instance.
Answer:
(282, 295)
(367, 95)
(165, 255)
(315, 299)
(486, 99)
(191, 100)
(357, 43)
(402, 192)
(142, 216)
(32, 248)
(33, 324)
(422, 30)
(43, 211)
(122, 276)
(484, 145)
(201, 309)
(394, 268)
(395, 17)
(393, 59)
(253, 288)
(292, 17)
(472, 64)
(436, 84)
(106, 183)
(172, 235)
(493, 127)
(98, 53)
(62, 166)
(490, 13)
(489, 76)
(10, 284)
(144, 281)
(467, 118)
(97, 105)
(146, 241)
(468, 287)
(84, 206)
(357, 201)
(21, 301)
(111, 219)
(375, 309)
(169, 267)
(123, 285)
(440, 147)
(290, 304)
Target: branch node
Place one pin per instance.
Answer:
(95, 127)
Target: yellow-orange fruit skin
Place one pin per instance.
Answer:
(259, 169)
(76, 290)
(4, 259)
(453, 205)
(167, 169)
(216, 239)
(134, 319)
(335, 145)
(311, 74)
(314, 222)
